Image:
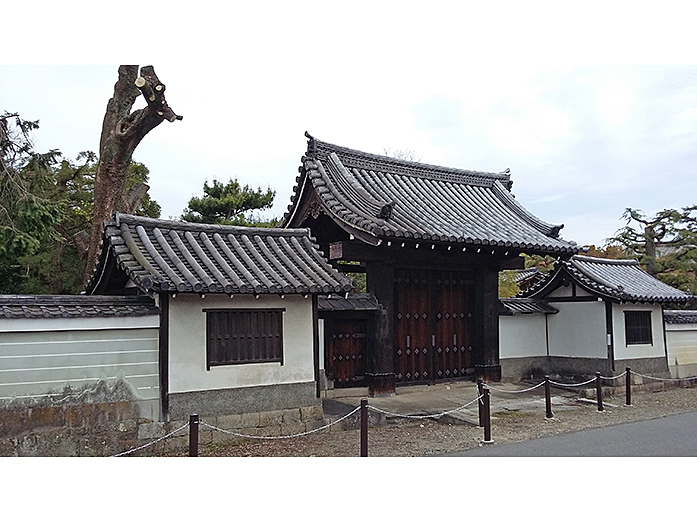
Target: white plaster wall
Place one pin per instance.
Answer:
(578, 330)
(39, 357)
(522, 336)
(682, 343)
(622, 350)
(187, 344)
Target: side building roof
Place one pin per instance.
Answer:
(617, 280)
(680, 317)
(79, 306)
(170, 256)
(378, 198)
(518, 306)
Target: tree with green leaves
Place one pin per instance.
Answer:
(46, 208)
(230, 204)
(665, 244)
(28, 217)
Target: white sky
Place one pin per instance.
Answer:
(527, 85)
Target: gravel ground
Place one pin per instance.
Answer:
(407, 437)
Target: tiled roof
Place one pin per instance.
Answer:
(382, 198)
(171, 256)
(516, 306)
(80, 306)
(680, 317)
(525, 274)
(352, 302)
(621, 280)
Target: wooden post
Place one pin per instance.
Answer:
(599, 392)
(487, 416)
(364, 428)
(628, 386)
(480, 392)
(548, 398)
(193, 436)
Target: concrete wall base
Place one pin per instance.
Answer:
(242, 400)
(578, 368)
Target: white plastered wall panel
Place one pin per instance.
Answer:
(578, 330)
(187, 344)
(681, 341)
(656, 349)
(522, 336)
(40, 357)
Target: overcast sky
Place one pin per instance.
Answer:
(535, 90)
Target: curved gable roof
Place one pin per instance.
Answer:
(619, 280)
(378, 198)
(170, 256)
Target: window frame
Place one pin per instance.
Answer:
(245, 320)
(638, 327)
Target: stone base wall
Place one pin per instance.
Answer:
(242, 399)
(577, 368)
(97, 429)
(112, 423)
(107, 429)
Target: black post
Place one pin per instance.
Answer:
(193, 436)
(487, 416)
(480, 390)
(628, 386)
(364, 428)
(548, 398)
(599, 391)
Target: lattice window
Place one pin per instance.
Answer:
(637, 327)
(244, 336)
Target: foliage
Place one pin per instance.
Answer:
(46, 205)
(665, 244)
(507, 285)
(226, 204)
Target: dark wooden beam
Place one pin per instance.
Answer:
(486, 325)
(379, 363)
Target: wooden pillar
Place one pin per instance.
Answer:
(379, 363)
(486, 324)
(163, 355)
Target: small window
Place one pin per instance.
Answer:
(244, 336)
(637, 327)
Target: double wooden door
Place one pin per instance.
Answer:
(434, 313)
(345, 353)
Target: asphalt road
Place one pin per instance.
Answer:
(671, 436)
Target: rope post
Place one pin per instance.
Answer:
(364, 428)
(548, 398)
(628, 386)
(487, 416)
(599, 391)
(193, 436)
(480, 390)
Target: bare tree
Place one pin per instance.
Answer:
(122, 131)
(402, 154)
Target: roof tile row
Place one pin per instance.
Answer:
(172, 256)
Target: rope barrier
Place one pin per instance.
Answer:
(150, 443)
(407, 416)
(614, 377)
(249, 436)
(572, 384)
(424, 416)
(663, 379)
(516, 391)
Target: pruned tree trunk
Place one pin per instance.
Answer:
(122, 131)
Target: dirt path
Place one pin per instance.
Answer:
(406, 437)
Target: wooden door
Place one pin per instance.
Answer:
(454, 302)
(345, 355)
(433, 325)
(413, 344)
